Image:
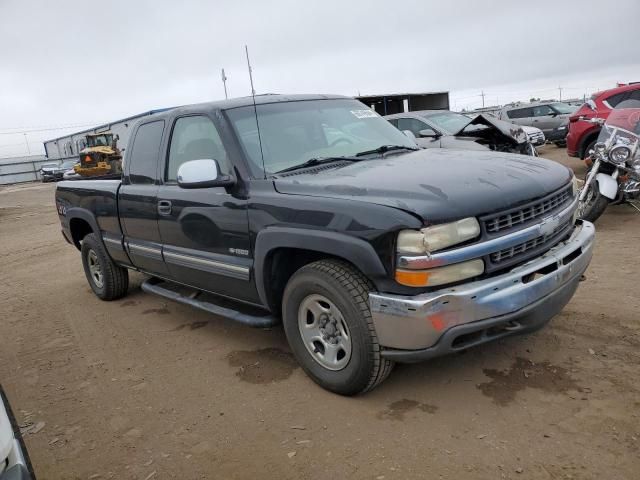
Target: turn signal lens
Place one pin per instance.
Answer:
(441, 275)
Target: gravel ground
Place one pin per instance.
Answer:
(142, 388)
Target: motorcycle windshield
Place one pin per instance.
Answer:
(620, 133)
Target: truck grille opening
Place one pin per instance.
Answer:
(506, 220)
(535, 244)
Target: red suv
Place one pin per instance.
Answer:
(583, 135)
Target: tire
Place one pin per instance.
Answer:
(589, 146)
(346, 289)
(597, 206)
(112, 281)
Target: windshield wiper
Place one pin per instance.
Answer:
(385, 149)
(312, 162)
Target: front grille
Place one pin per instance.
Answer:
(525, 248)
(502, 222)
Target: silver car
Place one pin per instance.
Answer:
(550, 117)
(446, 129)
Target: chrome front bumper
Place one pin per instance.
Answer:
(419, 322)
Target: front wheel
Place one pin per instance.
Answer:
(594, 203)
(326, 317)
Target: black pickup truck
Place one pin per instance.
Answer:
(316, 212)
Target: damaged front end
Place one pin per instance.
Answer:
(497, 135)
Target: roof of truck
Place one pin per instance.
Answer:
(260, 100)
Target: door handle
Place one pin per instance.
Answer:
(164, 207)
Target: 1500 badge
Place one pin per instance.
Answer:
(239, 251)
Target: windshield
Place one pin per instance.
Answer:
(622, 125)
(99, 141)
(68, 164)
(563, 108)
(449, 122)
(294, 132)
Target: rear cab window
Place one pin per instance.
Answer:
(143, 161)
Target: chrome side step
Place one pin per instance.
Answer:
(172, 292)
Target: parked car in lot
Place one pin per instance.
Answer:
(550, 117)
(314, 211)
(535, 135)
(53, 172)
(445, 129)
(14, 460)
(583, 133)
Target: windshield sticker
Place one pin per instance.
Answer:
(364, 113)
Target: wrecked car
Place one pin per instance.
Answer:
(315, 212)
(446, 129)
(14, 459)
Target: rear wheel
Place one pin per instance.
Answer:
(107, 280)
(328, 325)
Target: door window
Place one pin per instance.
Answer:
(144, 153)
(195, 138)
(414, 125)
(542, 110)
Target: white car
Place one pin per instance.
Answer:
(14, 461)
(536, 136)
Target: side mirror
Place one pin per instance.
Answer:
(409, 134)
(428, 133)
(203, 173)
(554, 114)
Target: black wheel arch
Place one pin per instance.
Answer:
(81, 223)
(294, 248)
(586, 141)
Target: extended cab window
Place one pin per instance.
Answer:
(145, 151)
(194, 138)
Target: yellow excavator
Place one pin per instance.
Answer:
(101, 156)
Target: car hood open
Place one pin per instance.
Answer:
(510, 130)
(437, 185)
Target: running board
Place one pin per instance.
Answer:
(172, 292)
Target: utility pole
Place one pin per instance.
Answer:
(224, 82)
(560, 90)
(246, 50)
(27, 143)
(482, 95)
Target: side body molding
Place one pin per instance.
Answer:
(352, 249)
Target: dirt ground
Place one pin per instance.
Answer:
(143, 388)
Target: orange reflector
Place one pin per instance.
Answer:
(87, 159)
(412, 279)
(437, 322)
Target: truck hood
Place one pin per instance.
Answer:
(437, 185)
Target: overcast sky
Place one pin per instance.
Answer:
(80, 63)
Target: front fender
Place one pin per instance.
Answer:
(355, 250)
(607, 185)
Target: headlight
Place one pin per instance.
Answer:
(435, 238)
(440, 275)
(620, 154)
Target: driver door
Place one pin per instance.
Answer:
(204, 231)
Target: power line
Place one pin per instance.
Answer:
(19, 132)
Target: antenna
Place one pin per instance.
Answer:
(255, 110)
(224, 82)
